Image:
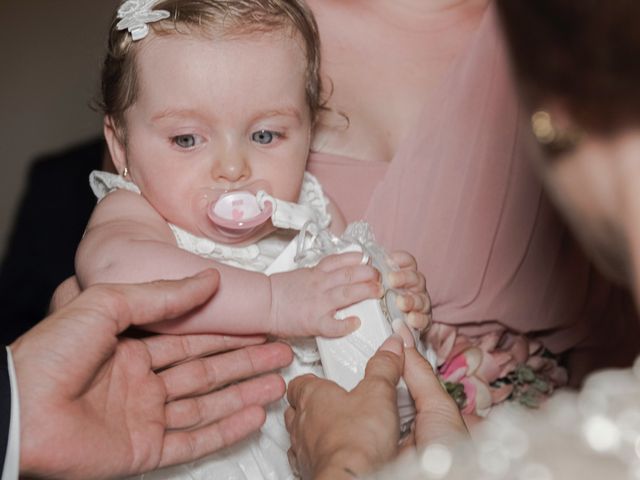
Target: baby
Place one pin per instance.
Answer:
(208, 102)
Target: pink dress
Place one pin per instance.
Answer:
(461, 195)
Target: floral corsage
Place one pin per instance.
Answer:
(480, 372)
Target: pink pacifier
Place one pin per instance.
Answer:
(238, 211)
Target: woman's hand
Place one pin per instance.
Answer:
(64, 293)
(337, 434)
(438, 419)
(414, 301)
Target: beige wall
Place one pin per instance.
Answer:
(50, 54)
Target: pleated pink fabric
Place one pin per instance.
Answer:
(461, 195)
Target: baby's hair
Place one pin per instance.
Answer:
(215, 19)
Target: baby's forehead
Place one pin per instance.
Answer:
(183, 71)
(222, 29)
(273, 46)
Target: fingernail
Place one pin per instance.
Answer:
(416, 321)
(392, 344)
(403, 331)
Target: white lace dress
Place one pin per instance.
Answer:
(264, 454)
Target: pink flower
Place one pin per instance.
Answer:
(494, 367)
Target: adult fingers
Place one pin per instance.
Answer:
(64, 293)
(289, 416)
(300, 387)
(293, 462)
(145, 303)
(195, 412)
(203, 375)
(438, 418)
(167, 350)
(386, 364)
(186, 446)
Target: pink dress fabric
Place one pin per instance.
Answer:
(461, 195)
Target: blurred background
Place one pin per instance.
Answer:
(50, 139)
(51, 51)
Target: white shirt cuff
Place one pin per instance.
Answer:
(12, 458)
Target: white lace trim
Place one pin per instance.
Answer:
(256, 257)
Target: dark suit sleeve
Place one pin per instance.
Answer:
(5, 405)
(56, 205)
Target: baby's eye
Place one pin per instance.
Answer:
(185, 141)
(264, 137)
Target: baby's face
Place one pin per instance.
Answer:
(227, 114)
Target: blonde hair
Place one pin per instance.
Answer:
(225, 18)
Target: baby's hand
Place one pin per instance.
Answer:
(414, 301)
(304, 301)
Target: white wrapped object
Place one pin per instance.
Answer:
(344, 359)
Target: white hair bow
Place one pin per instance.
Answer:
(136, 14)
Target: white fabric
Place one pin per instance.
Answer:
(264, 454)
(12, 457)
(256, 257)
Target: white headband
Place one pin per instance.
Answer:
(136, 14)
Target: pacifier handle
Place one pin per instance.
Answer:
(239, 210)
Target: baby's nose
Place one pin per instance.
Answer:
(231, 166)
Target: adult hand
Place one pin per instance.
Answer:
(64, 293)
(438, 418)
(336, 449)
(95, 405)
(364, 427)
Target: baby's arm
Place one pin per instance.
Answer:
(128, 241)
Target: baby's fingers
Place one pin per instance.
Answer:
(331, 327)
(339, 260)
(419, 321)
(404, 260)
(418, 308)
(351, 275)
(346, 295)
(408, 279)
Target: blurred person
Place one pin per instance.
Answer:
(576, 64)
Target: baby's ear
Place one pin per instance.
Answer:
(114, 136)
